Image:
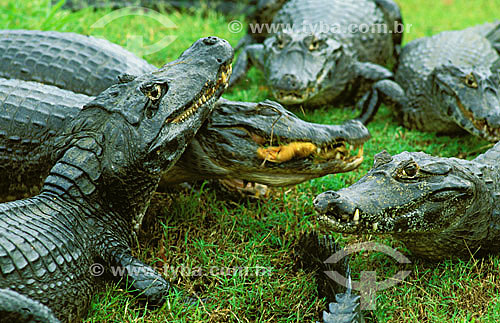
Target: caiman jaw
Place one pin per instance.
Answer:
(338, 151)
(205, 95)
(482, 125)
(347, 223)
(293, 97)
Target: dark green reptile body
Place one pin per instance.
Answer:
(52, 106)
(100, 184)
(449, 83)
(439, 207)
(204, 158)
(343, 65)
(74, 62)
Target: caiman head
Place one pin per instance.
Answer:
(470, 96)
(137, 129)
(305, 67)
(265, 143)
(432, 204)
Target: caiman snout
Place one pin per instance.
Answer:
(331, 202)
(288, 82)
(289, 89)
(211, 40)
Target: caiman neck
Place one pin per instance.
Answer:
(78, 177)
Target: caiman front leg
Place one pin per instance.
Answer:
(143, 279)
(139, 277)
(390, 93)
(376, 75)
(250, 55)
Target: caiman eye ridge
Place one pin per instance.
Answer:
(339, 150)
(205, 95)
(480, 124)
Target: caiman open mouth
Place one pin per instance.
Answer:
(480, 124)
(387, 220)
(208, 91)
(339, 150)
(345, 222)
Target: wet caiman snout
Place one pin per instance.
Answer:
(207, 51)
(288, 82)
(331, 202)
(211, 40)
(322, 201)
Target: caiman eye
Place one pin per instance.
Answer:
(280, 43)
(470, 81)
(410, 170)
(314, 45)
(155, 93)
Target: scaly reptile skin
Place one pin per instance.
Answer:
(245, 127)
(314, 58)
(109, 160)
(448, 83)
(439, 207)
(225, 146)
(74, 62)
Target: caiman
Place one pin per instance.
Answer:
(109, 160)
(260, 142)
(447, 83)
(439, 207)
(318, 52)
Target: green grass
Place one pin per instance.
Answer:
(203, 231)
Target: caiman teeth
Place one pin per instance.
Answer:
(338, 151)
(355, 218)
(206, 95)
(480, 124)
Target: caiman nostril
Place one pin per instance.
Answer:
(322, 201)
(331, 194)
(210, 40)
(289, 82)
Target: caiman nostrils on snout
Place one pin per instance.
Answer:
(339, 150)
(205, 95)
(290, 90)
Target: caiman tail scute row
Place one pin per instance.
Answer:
(82, 64)
(15, 307)
(109, 160)
(439, 207)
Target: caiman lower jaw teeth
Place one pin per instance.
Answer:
(206, 95)
(355, 218)
(480, 124)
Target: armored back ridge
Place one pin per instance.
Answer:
(109, 160)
